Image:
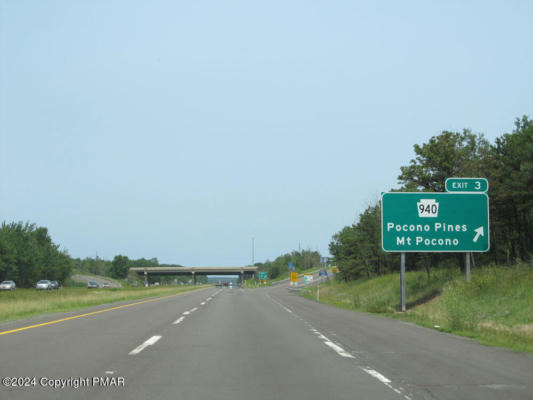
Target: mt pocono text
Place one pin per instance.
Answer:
(438, 227)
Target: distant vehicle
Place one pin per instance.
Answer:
(106, 285)
(54, 284)
(43, 285)
(156, 284)
(8, 285)
(218, 284)
(231, 284)
(134, 283)
(92, 285)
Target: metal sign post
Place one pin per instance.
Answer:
(467, 266)
(402, 280)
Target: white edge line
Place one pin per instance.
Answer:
(281, 305)
(376, 375)
(340, 351)
(383, 379)
(149, 342)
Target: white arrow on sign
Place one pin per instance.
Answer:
(479, 232)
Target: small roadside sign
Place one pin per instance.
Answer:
(308, 278)
(294, 276)
(467, 185)
(291, 266)
(263, 275)
(335, 269)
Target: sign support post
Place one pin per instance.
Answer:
(467, 266)
(402, 279)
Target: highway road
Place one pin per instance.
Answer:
(222, 343)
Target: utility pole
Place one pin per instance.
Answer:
(253, 239)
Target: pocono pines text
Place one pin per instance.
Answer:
(421, 240)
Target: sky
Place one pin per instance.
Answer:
(183, 129)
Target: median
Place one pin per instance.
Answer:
(25, 303)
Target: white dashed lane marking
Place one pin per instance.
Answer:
(153, 340)
(149, 342)
(190, 311)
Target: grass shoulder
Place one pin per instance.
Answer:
(496, 307)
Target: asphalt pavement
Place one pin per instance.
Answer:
(269, 343)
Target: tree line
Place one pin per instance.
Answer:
(301, 260)
(28, 254)
(507, 164)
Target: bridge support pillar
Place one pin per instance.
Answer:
(193, 278)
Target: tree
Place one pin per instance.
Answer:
(447, 155)
(120, 266)
(28, 254)
(356, 249)
(301, 260)
(510, 171)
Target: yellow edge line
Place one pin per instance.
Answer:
(87, 314)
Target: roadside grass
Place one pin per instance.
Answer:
(24, 303)
(496, 307)
(69, 283)
(382, 294)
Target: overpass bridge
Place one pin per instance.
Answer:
(242, 272)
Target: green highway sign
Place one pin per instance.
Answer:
(262, 275)
(434, 222)
(463, 185)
